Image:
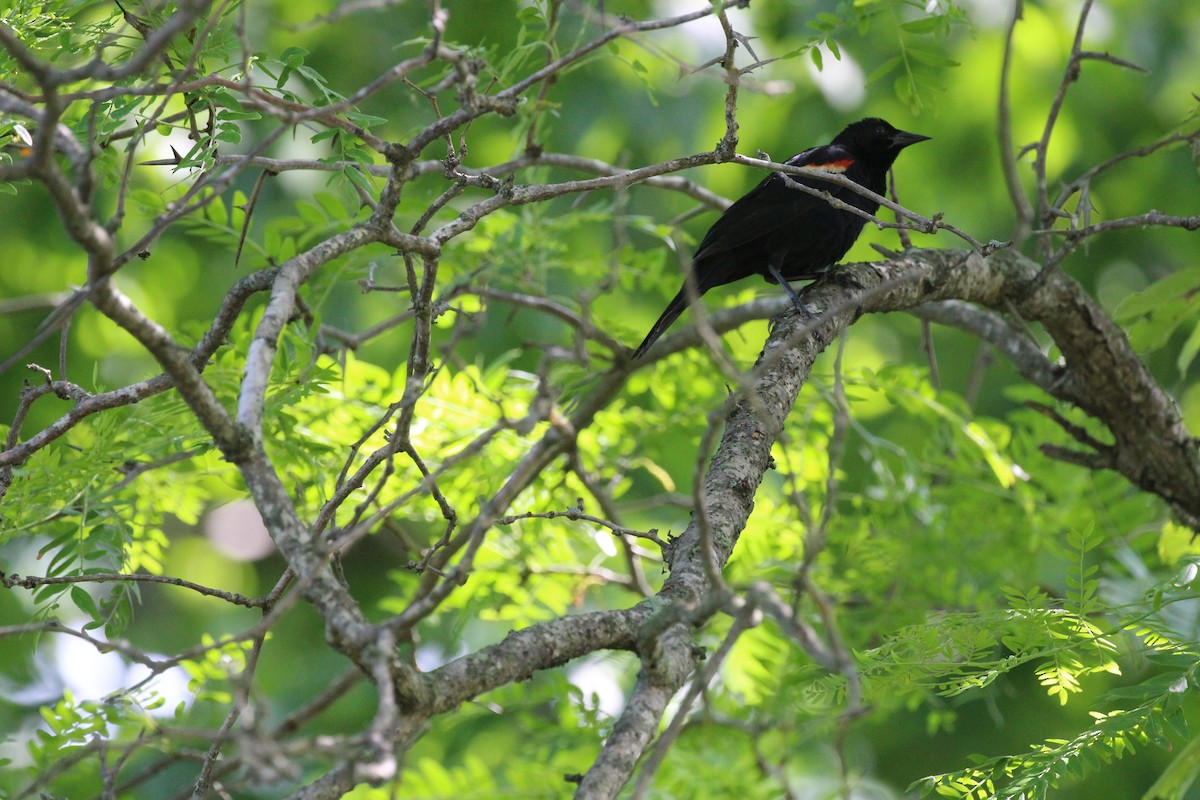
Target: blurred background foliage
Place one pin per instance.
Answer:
(954, 542)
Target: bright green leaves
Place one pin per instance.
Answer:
(915, 34)
(1068, 643)
(268, 238)
(555, 722)
(649, 78)
(919, 63)
(430, 778)
(71, 728)
(212, 674)
(1175, 542)
(758, 667)
(933, 507)
(68, 727)
(93, 521)
(987, 438)
(1031, 775)
(291, 59)
(1152, 316)
(1067, 640)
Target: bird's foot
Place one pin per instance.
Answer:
(804, 313)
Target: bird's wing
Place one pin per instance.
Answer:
(770, 205)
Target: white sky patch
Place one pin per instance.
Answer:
(988, 14)
(705, 33)
(599, 676)
(237, 530)
(1099, 28)
(676, 702)
(89, 674)
(71, 664)
(92, 675)
(431, 656)
(296, 144)
(171, 686)
(604, 540)
(842, 82)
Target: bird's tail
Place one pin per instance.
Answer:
(669, 315)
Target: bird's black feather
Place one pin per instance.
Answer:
(778, 228)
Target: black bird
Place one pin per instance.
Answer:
(785, 234)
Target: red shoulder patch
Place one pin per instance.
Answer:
(841, 165)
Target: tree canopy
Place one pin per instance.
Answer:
(326, 471)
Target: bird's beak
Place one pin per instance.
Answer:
(903, 139)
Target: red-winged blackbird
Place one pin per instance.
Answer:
(785, 234)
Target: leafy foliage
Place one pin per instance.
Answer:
(916, 524)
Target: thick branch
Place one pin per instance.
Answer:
(550, 644)
(1102, 375)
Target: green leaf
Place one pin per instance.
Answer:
(293, 56)
(931, 58)
(883, 69)
(1183, 285)
(930, 24)
(1187, 353)
(84, 602)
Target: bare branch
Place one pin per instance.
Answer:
(1008, 151)
(1040, 151)
(577, 515)
(32, 582)
(1086, 177)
